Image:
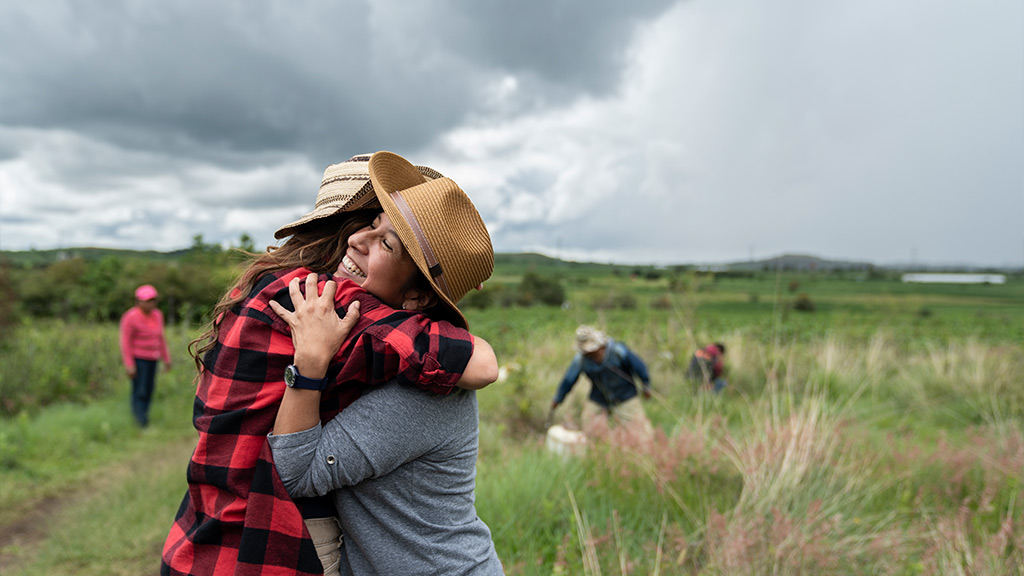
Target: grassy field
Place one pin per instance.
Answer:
(880, 433)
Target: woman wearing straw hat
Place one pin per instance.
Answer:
(400, 463)
(237, 516)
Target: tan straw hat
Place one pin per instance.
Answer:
(437, 224)
(344, 188)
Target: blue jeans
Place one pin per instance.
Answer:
(142, 389)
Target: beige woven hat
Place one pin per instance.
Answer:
(437, 224)
(345, 187)
(589, 339)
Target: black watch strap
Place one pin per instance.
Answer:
(293, 379)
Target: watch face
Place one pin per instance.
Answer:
(293, 379)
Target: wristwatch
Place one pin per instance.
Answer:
(293, 379)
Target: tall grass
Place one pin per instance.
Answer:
(825, 457)
(53, 443)
(52, 361)
(844, 444)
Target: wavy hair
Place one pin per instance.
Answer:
(318, 246)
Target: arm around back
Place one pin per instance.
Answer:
(384, 429)
(482, 368)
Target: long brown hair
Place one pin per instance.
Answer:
(318, 246)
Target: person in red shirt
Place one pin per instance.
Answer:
(236, 517)
(143, 344)
(707, 366)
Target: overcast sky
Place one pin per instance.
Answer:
(644, 131)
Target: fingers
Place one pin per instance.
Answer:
(330, 289)
(311, 291)
(294, 292)
(282, 312)
(351, 316)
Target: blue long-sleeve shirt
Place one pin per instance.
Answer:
(612, 379)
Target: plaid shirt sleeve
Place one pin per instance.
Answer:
(236, 517)
(407, 346)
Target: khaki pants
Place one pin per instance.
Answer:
(327, 538)
(630, 415)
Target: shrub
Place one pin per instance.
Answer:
(679, 284)
(803, 303)
(68, 362)
(537, 289)
(479, 299)
(616, 301)
(7, 300)
(663, 302)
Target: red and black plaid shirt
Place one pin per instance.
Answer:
(236, 517)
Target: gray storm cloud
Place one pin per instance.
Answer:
(641, 131)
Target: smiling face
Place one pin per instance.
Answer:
(377, 260)
(147, 306)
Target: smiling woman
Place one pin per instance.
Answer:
(403, 272)
(377, 261)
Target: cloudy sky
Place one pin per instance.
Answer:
(644, 131)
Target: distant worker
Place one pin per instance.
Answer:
(142, 345)
(611, 368)
(707, 366)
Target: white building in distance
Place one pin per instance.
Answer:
(928, 278)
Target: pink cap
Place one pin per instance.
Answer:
(145, 292)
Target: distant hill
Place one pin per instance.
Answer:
(526, 259)
(44, 257)
(517, 262)
(799, 262)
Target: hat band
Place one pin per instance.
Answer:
(433, 266)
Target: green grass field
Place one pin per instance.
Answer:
(880, 433)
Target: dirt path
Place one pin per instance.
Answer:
(22, 538)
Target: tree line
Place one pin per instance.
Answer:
(98, 286)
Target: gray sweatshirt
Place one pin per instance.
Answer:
(402, 465)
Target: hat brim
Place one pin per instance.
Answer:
(360, 201)
(364, 199)
(389, 173)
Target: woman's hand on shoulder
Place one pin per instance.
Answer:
(317, 331)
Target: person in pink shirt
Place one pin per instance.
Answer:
(142, 345)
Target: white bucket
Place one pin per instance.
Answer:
(565, 442)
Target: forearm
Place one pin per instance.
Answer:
(482, 368)
(294, 455)
(568, 380)
(639, 368)
(300, 409)
(384, 429)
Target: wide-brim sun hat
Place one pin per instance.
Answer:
(589, 339)
(438, 225)
(345, 187)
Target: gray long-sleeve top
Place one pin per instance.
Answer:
(402, 465)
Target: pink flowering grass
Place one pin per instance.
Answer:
(827, 454)
(850, 460)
